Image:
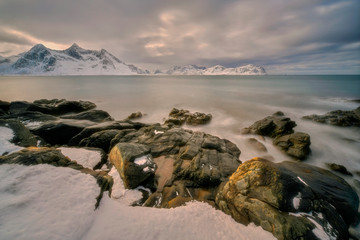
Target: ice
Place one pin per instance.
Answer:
(86, 158)
(6, 135)
(45, 202)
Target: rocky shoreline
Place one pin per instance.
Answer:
(292, 200)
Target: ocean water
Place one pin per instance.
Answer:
(234, 101)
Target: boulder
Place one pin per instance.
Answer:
(133, 162)
(4, 107)
(296, 145)
(62, 106)
(100, 139)
(292, 200)
(29, 117)
(255, 144)
(339, 168)
(180, 116)
(338, 118)
(135, 115)
(91, 115)
(59, 132)
(272, 126)
(110, 125)
(193, 161)
(22, 136)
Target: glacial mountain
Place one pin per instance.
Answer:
(75, 60)
(215, 70)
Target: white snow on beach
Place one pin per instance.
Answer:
(6, 135)
(85, 157)
(46, 202)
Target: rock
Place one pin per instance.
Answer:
(4, 107)
(133, 162)
(339, 168)
(91, 115)
(135, 115)
(254, 143)
(111, 125)
(272, 126)
(296, 145)
(52, 156)
(22, 136)
(289, 199)
(30, 117)
(338, 118)
(62, 106)
(180, 116)
(59, 132)
(100, 139)
(197, 161)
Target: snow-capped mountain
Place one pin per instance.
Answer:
(75, 60)
(215, 70)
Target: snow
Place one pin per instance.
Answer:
(296, 200)
(141, 160)
(45, 202)
(6, 135)
(158, 132)
(216, 70)
(86, 158)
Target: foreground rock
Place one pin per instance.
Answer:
(279, 127)
(180, 116)
(189, 165)
(22, 136)
(292, 200)
(338, 118)
(52, 156)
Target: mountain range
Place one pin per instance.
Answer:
(40, 60)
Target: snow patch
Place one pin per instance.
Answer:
(6, 135)
(45, 202)
(86, 158)
(302, 181)
(158, 132)
(296, 200)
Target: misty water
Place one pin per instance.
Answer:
(234, 101)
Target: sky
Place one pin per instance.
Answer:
(283, 36)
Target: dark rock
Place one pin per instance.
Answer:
(296, 145)
(272, 126)
(339, 168)
(338, 118)
(111, 125)
(135, 115)
(28, 116)
(100, 139)
(288, 198)
(254, 143)
(22, 136)
(62, 106)
(22, 106)
(60, 132)
(133, 162)
(197, 160)
(4, 107)
(180, 116)
(91, 115)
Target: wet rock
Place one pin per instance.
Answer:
(100, 139)
(111, 125)
(338, 118)
(289, 199)
(272, 126)
(62, 106)
(339, 168)
(59, 132)
(91, 115)
(135, 115)
(180, 116)
(296, 145)
(198, 160)
(22, 136)
(4, 107)
(254, 143)
(133, 162)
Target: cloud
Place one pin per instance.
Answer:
(159, 33)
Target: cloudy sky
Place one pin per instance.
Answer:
(284, 36)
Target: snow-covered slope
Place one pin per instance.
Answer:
(215, 70)
(75, 60)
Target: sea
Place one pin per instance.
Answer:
(235, 102)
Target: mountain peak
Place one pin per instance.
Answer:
(38, 47)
